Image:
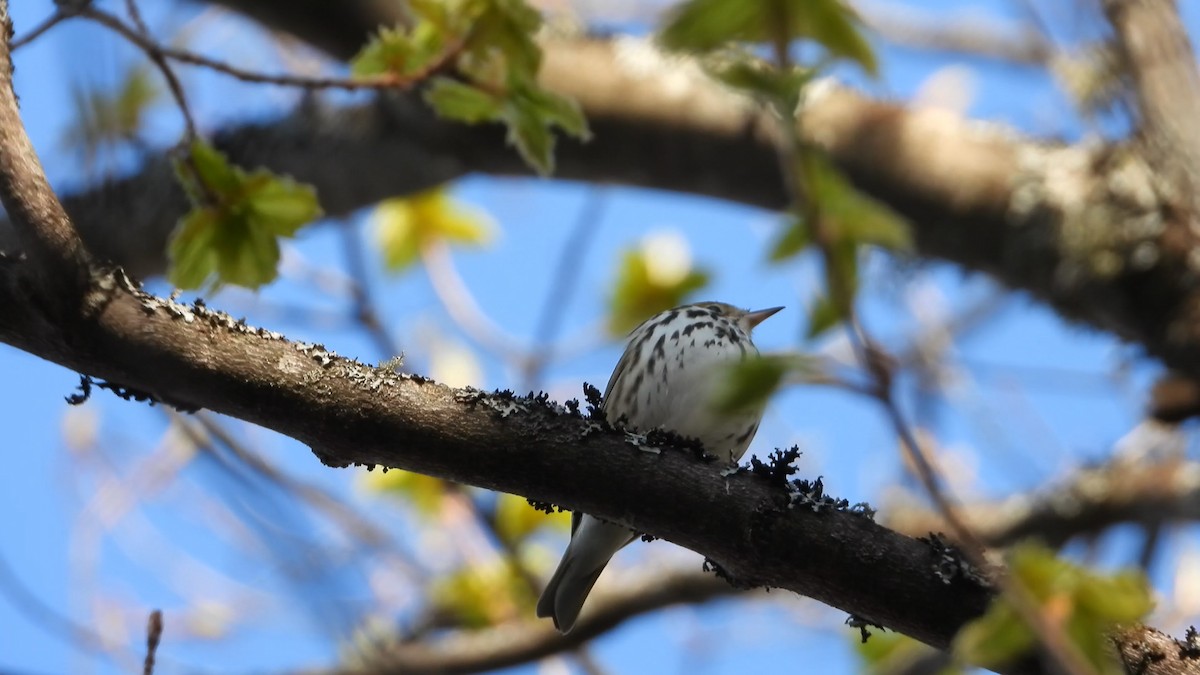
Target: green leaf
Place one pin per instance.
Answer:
(463, 102)
(760, 79)
(852, 215)
(888, 652)
(400, 51)
(1086, 605)
(217, 177)
(556, 110)
(704, 25)
(701, 25)
(792, 241)
(822, 316)
(406, 226)
(532, 138)
(531, 112)
(996, 638)
(506, 28)
(641, 290)
(109, 116)
(425, 493)
(484, 594)
(516, 519)
(752, 381)
(279, 203)
(231, 234)
(191, 252)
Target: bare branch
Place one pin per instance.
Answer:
(512, 644)
(41, 224)
(1160, 57)
(1089, 502)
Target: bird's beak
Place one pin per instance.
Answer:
(760, 315)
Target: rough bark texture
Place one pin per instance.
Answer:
(1084, 229)
(350, 413)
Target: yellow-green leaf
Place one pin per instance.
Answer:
(231, 234)
(192, 254)
(217, 177)
(279, 203)
(516, 519)
(655, 277)
(483, 595)
(759, 78)
(405, 226)
(400, 51)
(794, 238)
(751, 382)
(889, 652)
(704, 25)
(425, 493)
(463, 102)
(1085, 604)
(822, 315)
(104, 116)
(852, 215)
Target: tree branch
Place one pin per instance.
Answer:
(1083, 228)
(1091, 501)
(41, 225)
(351, 413)
(512, 644)
(1159, 55)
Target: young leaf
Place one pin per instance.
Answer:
(117, 116)
(191, 252)
(425, 493)
(463, 102)
(852, 215)
(822, 316)
(752, 381)
(704, 25)
(1087, 605)
(792, 241)
(231, 234)
(407, 225)
(483, 594)
(278, 203)
(399, 51)
(655, 277)
(516, 519)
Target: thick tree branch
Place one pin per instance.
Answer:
(1159, 55)
(1083, 228)
(351, 413)
(512, 644)
(40, 223)
(1091, 501)
(756, 530)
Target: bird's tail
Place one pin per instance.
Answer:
(593, 543)
(568, 589)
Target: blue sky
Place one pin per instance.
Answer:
(1034, 396)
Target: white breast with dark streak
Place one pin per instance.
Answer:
(688, 365)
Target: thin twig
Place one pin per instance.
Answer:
(154, 629)
(877, 364)
(36, 32)
(135, 16)
(155, 53)
(383, 81)
(562, 284)
(28, 604)
(460, 305)
(363, 297)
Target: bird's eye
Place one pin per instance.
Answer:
(715, 308)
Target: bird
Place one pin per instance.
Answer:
(673, 365)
